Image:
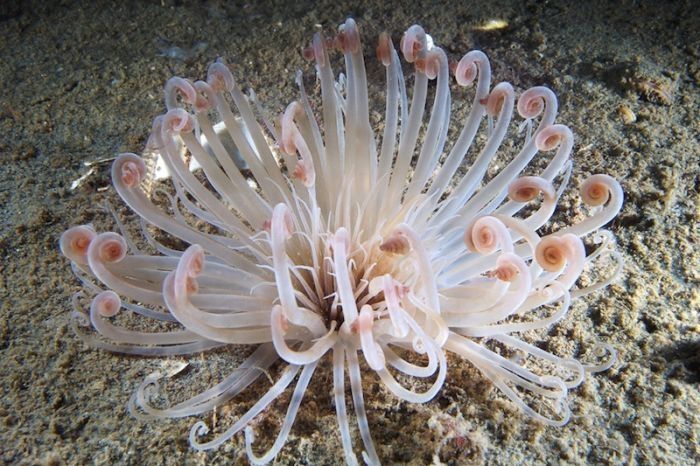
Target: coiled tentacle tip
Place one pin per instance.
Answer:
(413, 43)
(595, 190)
(128, 170)
(108, 248)
(75, 241)
(106, 304)
(219, 77)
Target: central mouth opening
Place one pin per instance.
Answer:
(316, 288)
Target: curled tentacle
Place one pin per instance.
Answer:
(219, 77)
(413, 43)
(596, 190)
(373, 353)
(498, 98)
(600, 350)
(292, 141)
(280, 324)
(535, 100)
(177, 120)
(104, 249)
(486, 235)
(183, 87)
(106, 304)
(527, 188)
(128, 170)
(472, 65)
(75, 242)
(552, 253)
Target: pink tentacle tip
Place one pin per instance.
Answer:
(485, 235)
(177, 85)
(527, 188)
(288, 128)
(394, 289)
(384, 49)
(129, 170)
(551, 137)
(531, 103)
(188, 269)
(396, 244)
(308, 53)
(595, 191)
(496, 99)
(429, 64)
(348, 38)
(75, 241)
(190, 266)
(466, 71)
(109, 247)
(412, 43)
(219, 76)
(553, 252)
(506, 270)
(202, 101)
(106, 304)
(178, 120)
(303, 173)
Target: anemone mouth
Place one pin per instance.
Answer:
(366, 263)
(308, 236)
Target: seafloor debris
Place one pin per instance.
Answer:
(166, 48)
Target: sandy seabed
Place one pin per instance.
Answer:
(82, 81)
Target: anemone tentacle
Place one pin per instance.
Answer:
(321, 240)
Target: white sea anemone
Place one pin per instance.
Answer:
(336, 239)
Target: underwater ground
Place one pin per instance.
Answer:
(82, 81)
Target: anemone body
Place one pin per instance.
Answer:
(328, 237)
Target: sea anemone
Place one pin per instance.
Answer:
(320, 235)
